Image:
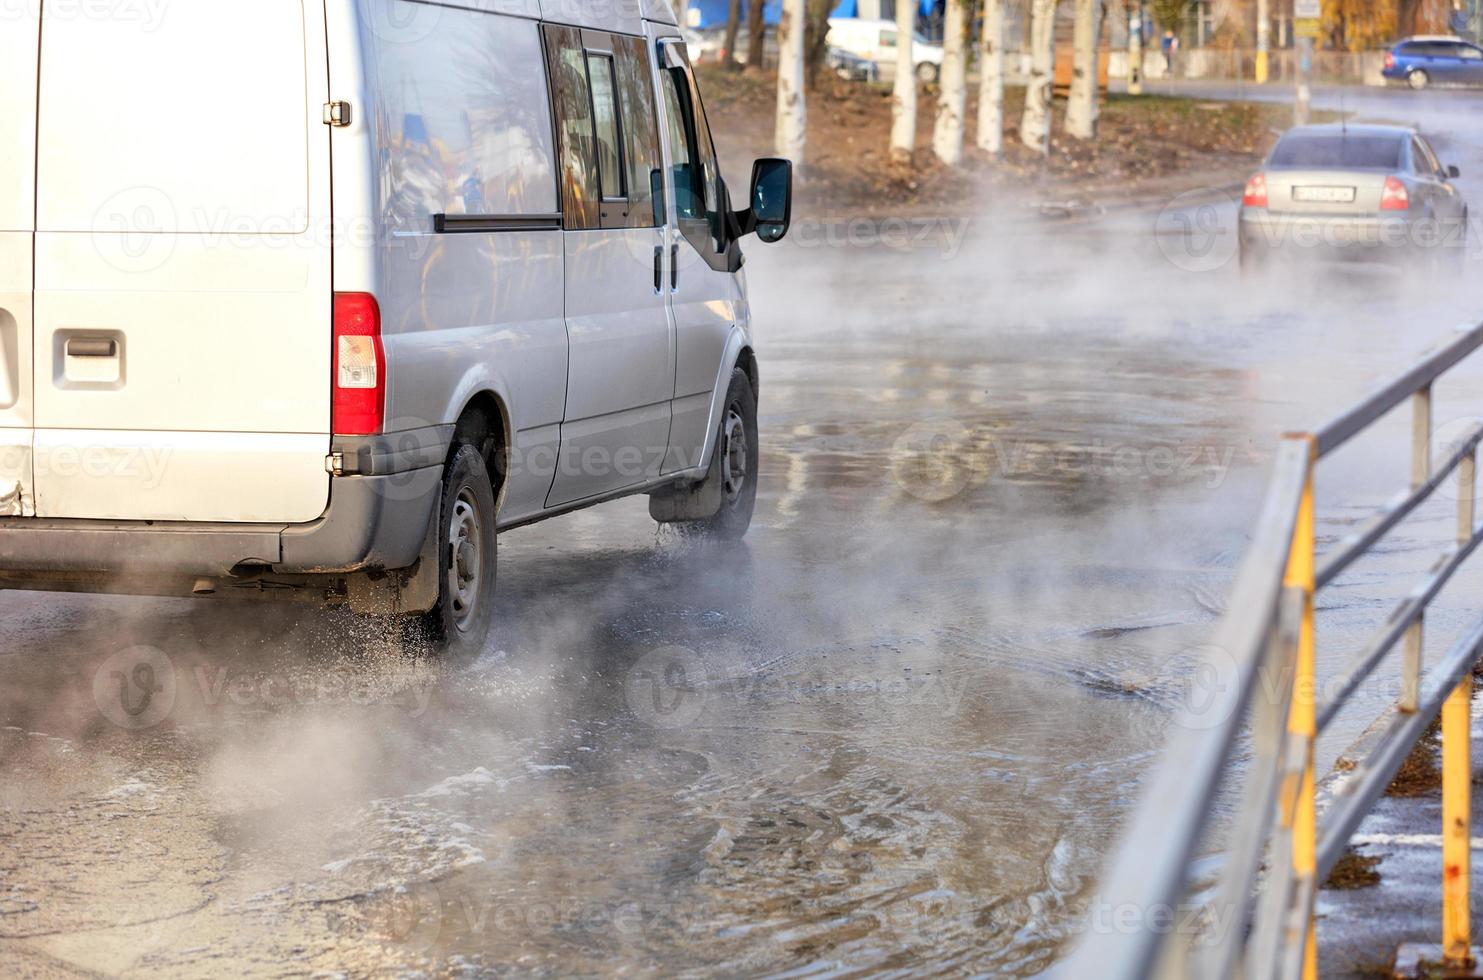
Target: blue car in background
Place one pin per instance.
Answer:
(1423, 61)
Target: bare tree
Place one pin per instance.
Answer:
(733, 27)
(991, 80)
(1035, 123)
(952, 97)
(904, 92)
(756, 35)
(792, 134)
(1081, 109)
(816, 38)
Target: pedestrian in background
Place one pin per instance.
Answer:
(1170, 45)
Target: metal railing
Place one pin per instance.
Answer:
(1155, 915)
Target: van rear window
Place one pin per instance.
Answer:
(1338, 150)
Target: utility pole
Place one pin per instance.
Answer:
(1263, 40)
(1135, 49)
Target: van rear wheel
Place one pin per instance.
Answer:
(1418, 79)
(467, 550)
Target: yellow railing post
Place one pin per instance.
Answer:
(1456, 823)
(1302, 721)
(1457, 771)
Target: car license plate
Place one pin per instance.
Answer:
(1324, 195)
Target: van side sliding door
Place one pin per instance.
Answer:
(621, 371)
(19, 39)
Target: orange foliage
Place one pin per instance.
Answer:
(1358, 25)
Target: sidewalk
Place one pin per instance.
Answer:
(1360, 928)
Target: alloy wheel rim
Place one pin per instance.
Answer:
(465, 563)
(734, 458)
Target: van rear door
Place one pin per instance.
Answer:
(19, 35)
(183, 272)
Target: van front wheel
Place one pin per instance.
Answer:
(734, 466)
(467, 549)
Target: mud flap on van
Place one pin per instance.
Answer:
(689, 501)
(400, 592)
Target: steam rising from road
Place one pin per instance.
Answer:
(1007, 473)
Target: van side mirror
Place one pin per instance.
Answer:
(1453, 172)
(771, 213)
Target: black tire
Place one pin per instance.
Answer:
(1418, 79)
(928, 72)
(735, 465)
(460, 622)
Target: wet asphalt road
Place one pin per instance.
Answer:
(1005, 483)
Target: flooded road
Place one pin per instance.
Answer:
(1006, 481)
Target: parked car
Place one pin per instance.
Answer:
(1423, 61)
(1373, 193)
(853, 67)
(876, 40)
(529, 299)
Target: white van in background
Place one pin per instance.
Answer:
(876, 40)
(309, 298)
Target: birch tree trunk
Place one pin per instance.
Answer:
(904, 93)
(952, 99)
(991, 80)
(792, 111)
(1035, 123)
(1081, 110)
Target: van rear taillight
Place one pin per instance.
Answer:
(1390, 59)
(359, 381)
(1395, 197)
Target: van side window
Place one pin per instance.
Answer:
(576, 141)
(640, 131)
(697, 176)
(605, 118)
(685, 168)
(607, 130)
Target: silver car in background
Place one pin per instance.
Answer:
(1359, 193)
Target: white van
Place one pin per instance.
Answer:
(309, 298)
(876, 40)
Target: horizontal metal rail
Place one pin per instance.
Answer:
(1364, 786)
(1402, 618)
(1352, 422)
(1152, 865)
(1275, 858)
(1355, 546)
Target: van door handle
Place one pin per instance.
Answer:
(658, 268)
(674, 267)
(92, 347)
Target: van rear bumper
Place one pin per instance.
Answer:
(372, 522)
